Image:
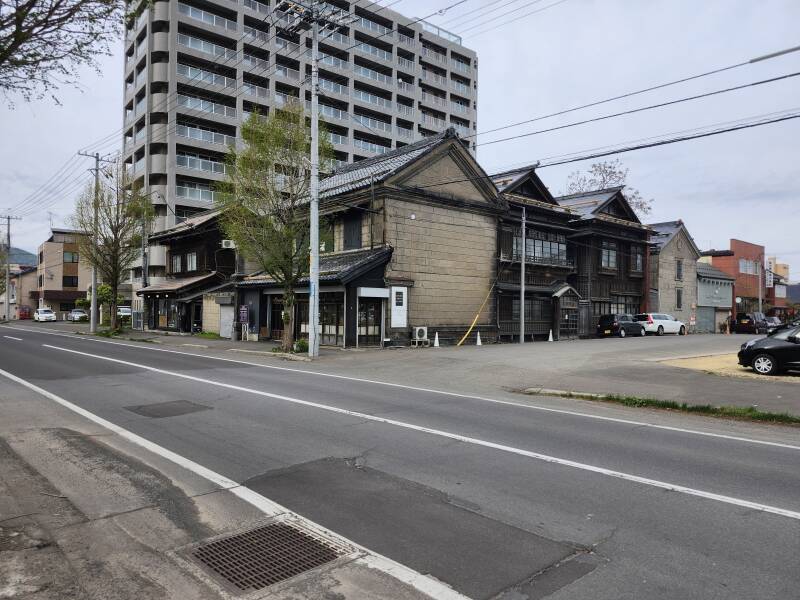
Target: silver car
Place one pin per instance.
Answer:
(660, 323)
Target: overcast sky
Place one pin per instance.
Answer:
(744, 184)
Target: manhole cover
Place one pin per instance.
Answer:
(174, 408)
(263, 556)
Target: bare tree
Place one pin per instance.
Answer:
(113, 239)
(3, 254)
(607, 174)
(265, 199)
(43, 43)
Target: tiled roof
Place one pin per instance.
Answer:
(587, 203)
(506, 179)
(706, 270)
(335, 266)
(378, 168)
(177, 284)
(664, 232)
(188, 224)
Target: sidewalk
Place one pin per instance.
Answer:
(84, 513)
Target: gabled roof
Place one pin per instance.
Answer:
(334, 267)
(513, 182)
(18, 256)
(180, 285)
(663, 234)
(187, 225)
(597, 204)
(378, 168)
(706, 270)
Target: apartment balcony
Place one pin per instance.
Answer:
(206, 106)
(338, 139)
(161, 41)
(404, 133)
(434, 122)
(329, 112)
(254, 63)
(434, 78)
(457, 107)
(374, 28)
(158, 133)
(460, 87)
(206, 17)
(205, 47)
(374, 51)
(197, 75)
(257, 7)
(333, 61)
(433, 55)
(407, 64)
(406, 40)
(461, 67)
(372, 75)
(204, 135)
(287, 47)
(432, 100)
(461, 130)
(407, 88)
(256, 91)
(195, 163)
(338, 38)
(370, 146)
(335, 88)
(374, 125)
(158, 163)
(284, 72)
(161, 11)
(405, 110)
(160, 72)
(373, 99)
(194, 194)
(253, 34)
(282, 99)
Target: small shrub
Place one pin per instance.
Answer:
(301, 346)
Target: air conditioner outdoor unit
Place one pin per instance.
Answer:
(228, 244)
(420, 333)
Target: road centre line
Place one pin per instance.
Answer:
(435, 391)
(461, 438)
(11, 337)
(425, 584)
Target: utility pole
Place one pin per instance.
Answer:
(93, 306)
(522, 282)
(8, 219)
(309, 14)
(760, 269)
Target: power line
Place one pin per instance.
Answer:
(482, 14)
(516, 19)
(643, 108)
(644, 90)
(500, 16)
(469, 12)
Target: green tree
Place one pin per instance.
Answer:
(113, 240)
(265, 199)
(44, 43)
(606, 174)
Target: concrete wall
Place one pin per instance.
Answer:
(449, 254)
(210, 314)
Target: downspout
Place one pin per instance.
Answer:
(372, 211)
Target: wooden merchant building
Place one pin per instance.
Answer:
(414, 234)
(551, 302)
(197, 294)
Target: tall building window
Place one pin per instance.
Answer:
(69, 281)
(70, 257)
(679, 269)
(637, 259)
(191, 261)
(608, 255)
(176, 263)
(678, 298)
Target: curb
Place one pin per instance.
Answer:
(565, 394)
(283, 355)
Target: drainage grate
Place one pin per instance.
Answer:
(261, 557)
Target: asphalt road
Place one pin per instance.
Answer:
(493, 498)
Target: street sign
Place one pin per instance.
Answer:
(244, 314)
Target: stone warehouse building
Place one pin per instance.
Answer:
(673, 272)
(415, 244)
(194, 69)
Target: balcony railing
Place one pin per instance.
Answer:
(460, 66)
(253, 89)
(195, 193)
(459, 108)
(204, 135)
(460, 87)
(434, 77)
(337, 138)
(461, 129)
(374, 27)
(254, 62)
(256, 34)
(372, 98)
(206, 17)
(372, 74)
(332, 86)
(434, 122)
(196, 163)
(442, 33)
(141, 106)
(329, 111)
(333, 61)
(256, 6)
(405, 133)
(141, 77)
(337, 36)
(405, 63)
(406, 87)
(282, 99)
(404, 39)
(140, 135)
(434, 55)
(287, 72)
(203, 46)
(206, 106)
(432, 99)
(141, 47)
(371, 123)
(404, 109)
(370, 146)
(198, 74)
(374, 51)
(289, 46)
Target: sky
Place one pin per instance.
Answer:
(743, 185)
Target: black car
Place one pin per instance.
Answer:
(750, 323)
(782, 326)
(773, 354)
(620, 325)
(773, 323)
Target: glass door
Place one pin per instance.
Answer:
(369, 321)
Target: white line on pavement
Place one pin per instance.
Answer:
(461, 438)
(423, 583)
(561, 411)
(11, 337)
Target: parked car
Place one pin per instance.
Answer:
(773, 323)
(124, 311)
(620, 325)
(788, 325)
(77, 314)
(750, 323)
(44, 314)
(24, 313)
(660, 323)
(771, 355)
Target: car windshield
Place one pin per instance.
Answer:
(785, 334)
(607, 319)
(45, 311)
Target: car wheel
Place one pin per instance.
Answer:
(764, 364)
(622, 332)
(682, 331)
(660, 330)
(642, 332)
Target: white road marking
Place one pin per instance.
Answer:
(423, 583)
(561, 411)
(11, 337)
(461, 438)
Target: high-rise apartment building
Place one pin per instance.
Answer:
(195, 69)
